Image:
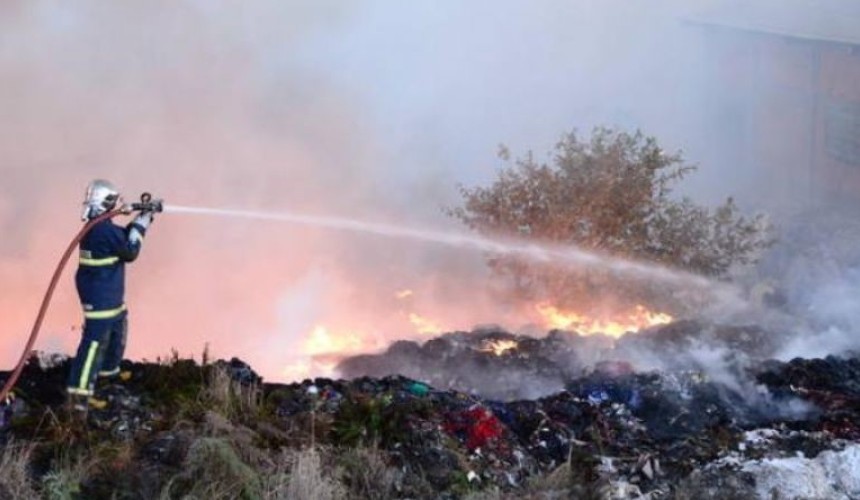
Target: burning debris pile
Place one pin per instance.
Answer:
(500, 365)
(491, 362)
(609, 431)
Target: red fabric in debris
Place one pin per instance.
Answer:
(479, 425)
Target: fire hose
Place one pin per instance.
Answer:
(147, 204)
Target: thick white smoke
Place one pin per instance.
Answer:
(374, 109)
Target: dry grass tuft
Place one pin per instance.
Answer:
(230, 398)
(64, 480)
(213, 470)
(311, 480)
(366, 475)
(15, 482)
(276, 478)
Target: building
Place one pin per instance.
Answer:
(784, 83)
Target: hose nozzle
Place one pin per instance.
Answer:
(148, 204)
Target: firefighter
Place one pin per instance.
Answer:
(100, 281)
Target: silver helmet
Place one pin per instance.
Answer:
(101, 197)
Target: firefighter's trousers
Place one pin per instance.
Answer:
(99, 353)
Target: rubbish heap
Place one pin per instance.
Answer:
(749, 430)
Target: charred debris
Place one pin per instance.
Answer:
(484, 414)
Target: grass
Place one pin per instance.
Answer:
(331, 473)
(15, 481)
(311, 480)
(213, 470)
(365, 474)
(185, 390)
(64, 480)
(212, 437)
(171, 384)
(276, 479)
(372, 421)
(232, 399)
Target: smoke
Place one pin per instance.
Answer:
(817, 271)
(203, 103)
(373, 110)
(190, 101)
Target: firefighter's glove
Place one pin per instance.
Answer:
(144, 219)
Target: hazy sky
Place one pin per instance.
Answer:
(443, 83)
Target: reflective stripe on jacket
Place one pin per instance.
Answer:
(100, 279)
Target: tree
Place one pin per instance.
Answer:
(611, 195)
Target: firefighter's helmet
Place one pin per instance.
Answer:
(101, 197)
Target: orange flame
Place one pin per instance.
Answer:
(321, 342)
(308, 367)
(618, 326)
(323, 349)
(425, 326)
(499, 347)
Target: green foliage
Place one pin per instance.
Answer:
(358, 421)
(63, 482)
(275, 399)
(171, 384)
(185, 389)
(375, 421)
(57, 485)
(460, 485)
(611, 195)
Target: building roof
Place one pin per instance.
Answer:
(833, 21)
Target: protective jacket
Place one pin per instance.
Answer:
(100, 279)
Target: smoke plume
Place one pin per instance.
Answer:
(374, 110)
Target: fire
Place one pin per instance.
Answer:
(425, 326)
(321, 342)
(309, 367)
(499, 347)
(323, 349)
(422, 324)
(633, 321)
